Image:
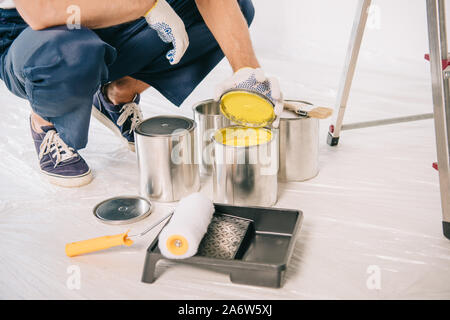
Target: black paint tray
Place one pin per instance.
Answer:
(258, 256)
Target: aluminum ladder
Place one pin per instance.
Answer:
(440, 74)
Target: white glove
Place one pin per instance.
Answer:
(170, 28)
(255, 80)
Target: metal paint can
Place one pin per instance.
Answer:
(299, 146)
(209, 119)
(246, 174)
(165, 147)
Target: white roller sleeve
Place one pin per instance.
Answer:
(190, 220)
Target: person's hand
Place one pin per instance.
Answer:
(255, 80)
(170, 28)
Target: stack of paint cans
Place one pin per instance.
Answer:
(245, 155)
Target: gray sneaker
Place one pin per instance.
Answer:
(61, 164)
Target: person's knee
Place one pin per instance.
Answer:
(248, 10)
(68, 55)
(68, 66)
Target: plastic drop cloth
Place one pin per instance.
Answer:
(374, 208)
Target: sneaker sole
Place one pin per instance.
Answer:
(111, 126)
(69, 182)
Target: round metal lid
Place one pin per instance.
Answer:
(122, 210)
(164, 125)
(247, 108)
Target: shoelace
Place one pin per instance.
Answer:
(53, 143)
(133, 110)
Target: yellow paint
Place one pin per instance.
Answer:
(243, 137)
(247, 109)
(96, 244)
(177, 245)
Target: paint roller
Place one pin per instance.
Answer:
(101, 243)
(179, 239)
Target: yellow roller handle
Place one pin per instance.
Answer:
(101, 243)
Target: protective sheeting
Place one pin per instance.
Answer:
(372, 226)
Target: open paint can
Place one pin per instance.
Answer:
(168, 170)
(299, 146)
(246, 166)
(209, 119)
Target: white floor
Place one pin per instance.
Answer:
(374, 206)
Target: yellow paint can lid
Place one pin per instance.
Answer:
(246, 108)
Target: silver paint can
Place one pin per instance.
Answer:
(246, 173)
(209, 119)
(165, 147)
(299, 147)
